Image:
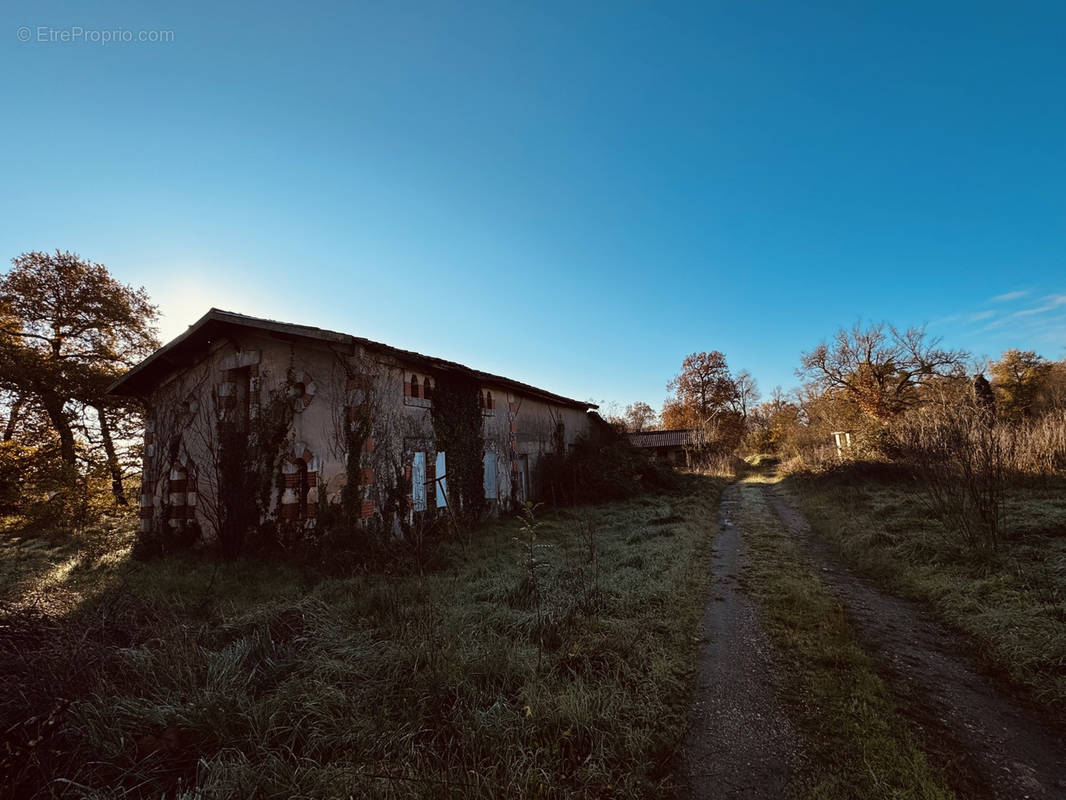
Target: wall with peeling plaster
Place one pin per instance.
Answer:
(316, 378)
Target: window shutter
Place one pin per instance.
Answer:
(442, 483)
(418, 481)
(491, 490)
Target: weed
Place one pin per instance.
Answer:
(194, 677)
(858, 744)
(1012, 606)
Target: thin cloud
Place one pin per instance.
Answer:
(980, 315)
(1052, 302)
(1006, 298)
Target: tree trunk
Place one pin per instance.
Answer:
(12, 420)
(112, 459)
(53, 406)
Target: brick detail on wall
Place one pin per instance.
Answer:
(366, 476)
(367, 509)
(512, 415)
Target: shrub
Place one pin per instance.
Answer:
(959, 457)
(45, 495)
(1039, 446)
(601, 469)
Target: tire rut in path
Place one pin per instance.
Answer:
(993, 748)
(740, 743)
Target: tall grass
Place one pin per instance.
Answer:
(1039, 446)
(191, 678)
(857, 742)
(1011, 605)
(959, 457)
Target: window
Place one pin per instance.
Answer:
(488, 401)
(418, 481)
(418, 391)
(441, 480)
(491, 482)
(303, 488)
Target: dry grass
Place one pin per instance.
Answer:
(857, 743)
(1012, 605)
(193, 678)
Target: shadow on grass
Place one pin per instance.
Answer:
(264, 677)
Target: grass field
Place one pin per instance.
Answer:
(481, 678)
(857, 744)
(1012, 606)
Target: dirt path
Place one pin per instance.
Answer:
(988, 745)
(741, 744)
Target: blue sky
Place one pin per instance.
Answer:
(574, 194)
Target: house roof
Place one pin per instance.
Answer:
(679, 438)
(217, 322)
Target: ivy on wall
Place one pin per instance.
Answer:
(250, 456)
(457, 427)
(358, 424)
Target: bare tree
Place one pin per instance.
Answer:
(880, 368)
(747, 393)
(639, 416)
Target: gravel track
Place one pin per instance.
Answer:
(740, 744)
(989, 745)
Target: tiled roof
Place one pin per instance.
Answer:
(661, 438)
(145, 373)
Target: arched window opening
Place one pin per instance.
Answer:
(488, 400)
(414, 386)
(481, 399)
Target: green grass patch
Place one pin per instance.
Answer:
(1012, 606)
(856, 743)
(261, 678)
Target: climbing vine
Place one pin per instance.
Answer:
(357, 425)
(249, 469)
(458, 429)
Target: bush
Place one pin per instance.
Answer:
(600, 469)
(1039, 446)
(959, 457)
(44, 494)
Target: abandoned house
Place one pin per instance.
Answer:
(253, 422)
(674, 447)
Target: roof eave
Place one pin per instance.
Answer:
(122, 386)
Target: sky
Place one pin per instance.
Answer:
(576, 195)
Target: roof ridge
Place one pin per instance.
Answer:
(123, 384)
